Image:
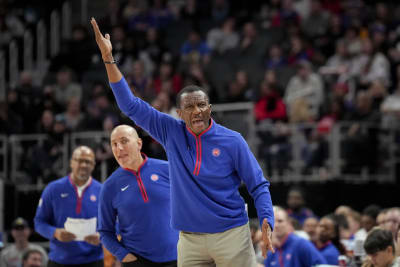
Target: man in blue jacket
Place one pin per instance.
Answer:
(291, 250)
(207, 163)
(72, 197)
(137, 195)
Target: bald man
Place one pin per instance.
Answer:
(74, 196)
(137, 196)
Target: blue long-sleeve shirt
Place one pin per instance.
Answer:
(141, 202)
(59, 201)
(206, 170)
(295, 252)
(330, 253)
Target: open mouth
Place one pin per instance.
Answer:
(197, 122)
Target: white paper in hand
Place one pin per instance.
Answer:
(81, 227)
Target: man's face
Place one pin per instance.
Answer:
(34, 260)
(367, 222)
(380, 219)
(282, 225)
(195, 111)
(326, 230)
(126, 146)
(20, 233)
(310, 227)
(382, 258)
(392, 221)
(295, 200)
(82, 164)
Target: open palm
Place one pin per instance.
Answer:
(103, 42)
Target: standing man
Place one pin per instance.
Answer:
(293, 251)
(72, 197)
(11, 256)
(137, 195)
(207, 163)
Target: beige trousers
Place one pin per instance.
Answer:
(232, 248)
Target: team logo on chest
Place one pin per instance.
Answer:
(216, 152)
(93, 198)
(154, 177)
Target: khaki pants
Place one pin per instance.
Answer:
(232, 248)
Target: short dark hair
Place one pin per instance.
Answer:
(372, 211)
(377, 240)
(187, 90)
(27, 253)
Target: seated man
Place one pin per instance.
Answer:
(11, 256)
(32, 258)
(290, 249)
(380, 248)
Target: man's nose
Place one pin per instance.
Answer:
(119, 146)
(196, 109)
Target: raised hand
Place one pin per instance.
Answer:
(103, 42)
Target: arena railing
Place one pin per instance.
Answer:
(307, 153)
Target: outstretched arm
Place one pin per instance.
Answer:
(104, 44)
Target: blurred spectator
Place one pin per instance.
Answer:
(390, 109)
(154, 48)
(163, 102)
(138, 17)
(297, 205)
(32, 258)
(337, 67)
(7, 116)
(140, 80)
(275, 58)
(291, 250)
(76, 54)
(11, 255)
(310, 226)
(194, 49)
(392, 221)
(239, 89)
(318, 22)
(46, 123)
(269, 105)
(328, 242)
(286, 15)
(298, 52)
(380, 248)
(65, 88)
(220, 10)
(353, 41)
(371, 65)
(249, 36)
(73, 116)
(361, 137)
(305, 86)
(161, 13)
(381, 218)
(223, 38)
(168, 80)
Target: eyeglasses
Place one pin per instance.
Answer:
(81, 161)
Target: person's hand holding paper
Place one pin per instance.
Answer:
(82, 228)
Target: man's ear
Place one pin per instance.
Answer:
(140, 143)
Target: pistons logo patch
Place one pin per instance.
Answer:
(93, 198)
(216, 152)
(154, 177)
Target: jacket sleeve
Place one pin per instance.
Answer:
(107, 224)
(44, 218)
(258, 186)
(153, 121)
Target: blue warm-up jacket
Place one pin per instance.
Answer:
(330, 253)
(141, 202)
(58, 202)
(205, 170)
(295, 252)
